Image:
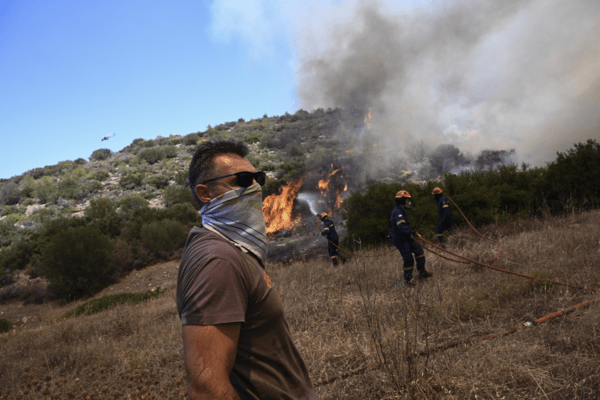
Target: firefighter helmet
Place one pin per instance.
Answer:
(436, 190)
(322, 216)
(402, 193)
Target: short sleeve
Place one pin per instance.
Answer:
(212, 289)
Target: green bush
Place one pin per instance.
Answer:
(5, 325)
(170, 151)
(152, 155)
(69, 188)
(10, 193)
(95, 306)
(102, 213)
(17, 256)
(45, 190)
(191, 139)
(78, 262)
(100, 175)
(28, 186)
(130, 203)
(182, 212)
(132, 179)
(164, 236)
(100, 154)
(181, 178)
(175, 194)
(573, 178)
(158, 181)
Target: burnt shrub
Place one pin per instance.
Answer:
(163, 237)
(78, 262)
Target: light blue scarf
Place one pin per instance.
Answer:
(238, 216)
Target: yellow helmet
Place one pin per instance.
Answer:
(436, 190)
(322, 216)
(402, 193)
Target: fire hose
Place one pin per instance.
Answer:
(525, 325)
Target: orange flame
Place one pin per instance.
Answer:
(324, 185)
(277, 209)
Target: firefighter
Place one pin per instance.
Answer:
(403, 238)
(445, 223)
(332, 239)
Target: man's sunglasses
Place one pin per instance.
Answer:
(245, 178)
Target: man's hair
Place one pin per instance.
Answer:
(201, 166)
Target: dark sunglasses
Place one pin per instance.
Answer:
(245, 178)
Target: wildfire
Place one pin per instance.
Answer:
(277, 209)
(338, 177)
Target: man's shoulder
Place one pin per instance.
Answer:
(206, 243)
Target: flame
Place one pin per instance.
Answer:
(325, 184)
(369, 115)
(277, 209)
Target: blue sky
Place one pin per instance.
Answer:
(520, 74)
(75, 71)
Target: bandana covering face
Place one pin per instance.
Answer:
(238, 216)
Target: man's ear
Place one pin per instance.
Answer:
(203, 193)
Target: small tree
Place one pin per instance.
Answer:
(45, 190)
(100, 154)
(78, 262)
(9, 193)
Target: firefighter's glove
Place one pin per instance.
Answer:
(323, 233)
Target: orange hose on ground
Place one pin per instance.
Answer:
(510, 272)
(546, 318)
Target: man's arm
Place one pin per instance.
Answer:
(209, 353)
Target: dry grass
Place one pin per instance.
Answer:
(352, 317)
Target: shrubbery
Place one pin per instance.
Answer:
(95, 306)
(10, 193)
(164, 236)
(175, 194)
(152, 155)
(100, 154)
(45, 190)
(78, 262)
(132, 179)
(5, 325)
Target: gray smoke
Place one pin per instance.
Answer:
(480, 75)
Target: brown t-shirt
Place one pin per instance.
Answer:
(217, 283)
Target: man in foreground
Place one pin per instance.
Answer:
(402, 237)
(333, 239)
(236, 342)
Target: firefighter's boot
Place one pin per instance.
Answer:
(424, 274)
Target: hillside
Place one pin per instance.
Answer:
(126, 210)
(345, 319)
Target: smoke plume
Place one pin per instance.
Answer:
(495, 75)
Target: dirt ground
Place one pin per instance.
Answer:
(32, 315)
